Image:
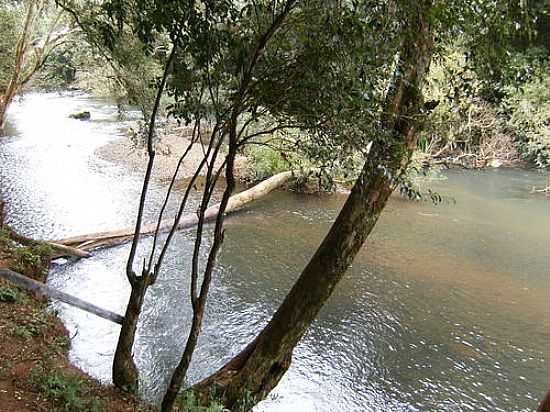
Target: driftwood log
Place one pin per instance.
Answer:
(86, 243)
(58, 250)
(42, 289)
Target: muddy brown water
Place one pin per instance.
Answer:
(445, 309)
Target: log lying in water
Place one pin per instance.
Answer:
(42, 289)
(105, 239)
(58, 250)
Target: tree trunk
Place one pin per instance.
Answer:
(3, 108)
(545, 403)
(125, 374)
(259, 367)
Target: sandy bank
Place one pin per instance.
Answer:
(169, 148)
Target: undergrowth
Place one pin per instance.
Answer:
(67, 391)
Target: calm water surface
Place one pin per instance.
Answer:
(445, 309)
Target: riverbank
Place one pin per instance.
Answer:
(173, 142)
(35, 371)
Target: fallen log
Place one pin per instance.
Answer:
(42, 289)
(543, 190)
(58, 249)
(105, 239)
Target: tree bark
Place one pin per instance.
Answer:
(125, 374)
(260, 366)
(545, 403)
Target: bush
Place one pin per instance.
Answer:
(528, 110)
(67, 390)
(263, 162)
(10, 295)
(31, 260)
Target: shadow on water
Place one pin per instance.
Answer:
(444, 309)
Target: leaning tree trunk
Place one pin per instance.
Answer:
(125, 373)
(260, 366)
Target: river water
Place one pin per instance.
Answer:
(446, 308)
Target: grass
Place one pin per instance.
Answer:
(69, 392)
(26, 332)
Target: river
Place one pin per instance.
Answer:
(445, 309)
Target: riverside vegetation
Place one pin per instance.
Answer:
(35, 372)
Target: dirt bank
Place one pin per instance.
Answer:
(35, 372)
(173, 142)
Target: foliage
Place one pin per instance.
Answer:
(470, 127)
(26, 332)
(10, 22)
(31, 259)
(415, 185)
(10, 294)
(188, 403)
(264, 161)
(6, 242)
(66, 390)
(73, 64)
(29, 32)
(127, 65)
(528, 107)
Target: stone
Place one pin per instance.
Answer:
(84, 115)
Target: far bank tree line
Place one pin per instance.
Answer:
(482, 115)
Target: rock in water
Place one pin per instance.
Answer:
(84, 115)
(495, 163)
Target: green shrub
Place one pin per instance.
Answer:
(31, 258)
(26, 332)
(67, 390)
(6, 243)
(528, 110)
(11, 295)
(189, 403)
(264, 161)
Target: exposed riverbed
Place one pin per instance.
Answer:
(446, 308)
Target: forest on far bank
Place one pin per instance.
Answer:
(481, 116)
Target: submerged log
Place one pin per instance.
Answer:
(42, 289)
(105, 239)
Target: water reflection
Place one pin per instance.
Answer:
(443, 310)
